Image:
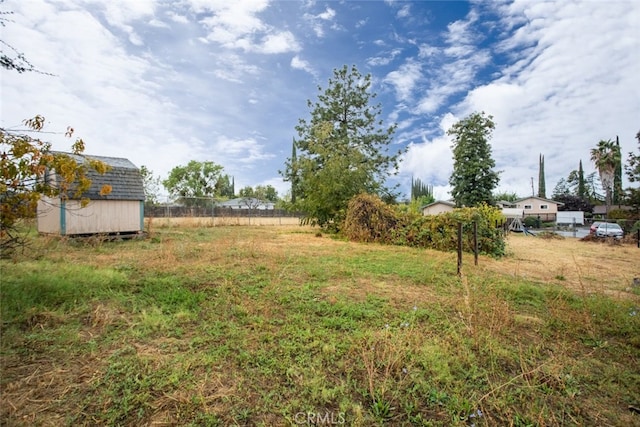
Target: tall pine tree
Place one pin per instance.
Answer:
(342, 150)
(473, 179)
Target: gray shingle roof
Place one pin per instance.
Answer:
(123, 177)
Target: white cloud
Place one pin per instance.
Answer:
(236, 25)
(300, 64)
(385, 58)
(404, 12)
(405, 79)
(573, 82)
(278, 43)
(317, 22)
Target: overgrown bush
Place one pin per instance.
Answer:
(369, 219)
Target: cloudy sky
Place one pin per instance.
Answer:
(163, 82)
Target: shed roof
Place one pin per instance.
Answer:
(123, 177)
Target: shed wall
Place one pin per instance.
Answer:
(48, 216)
(99, 216)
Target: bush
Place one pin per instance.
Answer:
(369, 219)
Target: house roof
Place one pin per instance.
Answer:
(244, 203)
(440, 202)
(123, 177)
(539, 198)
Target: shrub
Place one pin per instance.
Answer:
(530, 221)
(369, 219)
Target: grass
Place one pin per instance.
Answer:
(269, 326)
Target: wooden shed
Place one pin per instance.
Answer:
(120, 212)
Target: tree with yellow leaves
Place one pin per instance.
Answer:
(23, 163)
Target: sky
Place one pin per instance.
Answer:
(164, 82)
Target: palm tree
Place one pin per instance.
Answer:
(606, 157)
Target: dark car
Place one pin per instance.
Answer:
(609, 230)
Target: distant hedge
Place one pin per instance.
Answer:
(369, 219)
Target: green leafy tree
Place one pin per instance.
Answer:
(225, 187)
(473, 179)
(246, 192)
(632, 169)
(294, 173)
(266, 192)
(24, 160)
(542, 188)
(195, 183)
(606, 158)
(151, 185)
(506, 196)
(341, 151)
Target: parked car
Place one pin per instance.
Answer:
(609, 230)
(594, 226)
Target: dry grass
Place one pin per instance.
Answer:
(40, 382)
(582, 266)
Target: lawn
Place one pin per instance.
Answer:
(272, 326)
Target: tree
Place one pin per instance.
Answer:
(542, 188)
(632, 169)
(246, 192)
(341, 151)
(573, 203)
(606, 158)
(617, 195)
(473, 179)
(24, 160)
(225, 187)
(194, 183)
(10, 57)
(505, 196)
(562, 188)
(151, 185)
(582, 189)
(420, 190)
(294, 172)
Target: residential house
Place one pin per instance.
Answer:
(535, 206)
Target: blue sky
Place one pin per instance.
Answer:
(166, 82)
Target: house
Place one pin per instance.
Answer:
(438, 207)
(247, 203)
(600, 211)
(119, 212)
(535, 206)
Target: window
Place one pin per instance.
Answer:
(528, 207)
(543, 207)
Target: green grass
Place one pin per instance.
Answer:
(262, 326)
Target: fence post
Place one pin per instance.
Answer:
(459, 248)
(475, 242)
